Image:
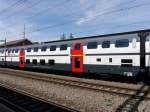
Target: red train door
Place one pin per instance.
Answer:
(77, 57)
(22, 58)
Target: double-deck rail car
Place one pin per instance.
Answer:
(126, 54)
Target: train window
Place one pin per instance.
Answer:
(35, 49)
(105, 44)
(9, 51)
(53, 48)
(51, 62)
(28, 49)
(44, 48)
(126, 60)
(77, 46)
(110, 59)
(63, 47)
(27, 61)
(16, 51)
(42, 62)
(92, 45)
(122, 43)
(34, 61)
(2, 51)
(98, 59)
(13, 51)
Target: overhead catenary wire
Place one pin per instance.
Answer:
(24, 9)
(75, 13)
(60, 4)
(11, 6)
(115, 26)
(107, 27)
(105, 13)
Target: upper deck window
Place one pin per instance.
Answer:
(9, 51)
(28, 49)
(77, 46)
(63, 47)
(92, 45)
(53, 48)
(35, 49)
(122, 43)
(105, 44)
(16, 51)
(44, 48)
(13, 51)
(2, 51)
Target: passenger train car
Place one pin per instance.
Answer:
(126, 54)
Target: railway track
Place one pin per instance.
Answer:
(117, 90)
(22, 103)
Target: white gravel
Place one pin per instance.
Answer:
(82, 99)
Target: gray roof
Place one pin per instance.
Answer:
(15, 42)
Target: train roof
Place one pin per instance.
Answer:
(105, 35)
(88, 37)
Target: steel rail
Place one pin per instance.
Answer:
(80, 84)
(38, 98)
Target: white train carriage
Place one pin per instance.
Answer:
(125, 54)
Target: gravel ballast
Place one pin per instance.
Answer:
(81, 99)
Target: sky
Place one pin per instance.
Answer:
(47, 20)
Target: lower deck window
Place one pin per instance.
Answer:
(110, 59)
(27, 61)
(98, 59)
(34, 61)
(42, 62)
(51, 62)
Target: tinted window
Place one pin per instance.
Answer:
(63, 47)
(110, 59)
(98, 59)
(122, 43)
(16, 51)
(13, 51)
(44, 48)
(9, 51)
(51, 62)
(36, 49)
(106, 44)
(53, 48)
(29, 50)
(34, 61)
(27, 61)
(77, 46)
(42, 62)
(92, 45)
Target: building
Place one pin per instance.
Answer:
(16, 43)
